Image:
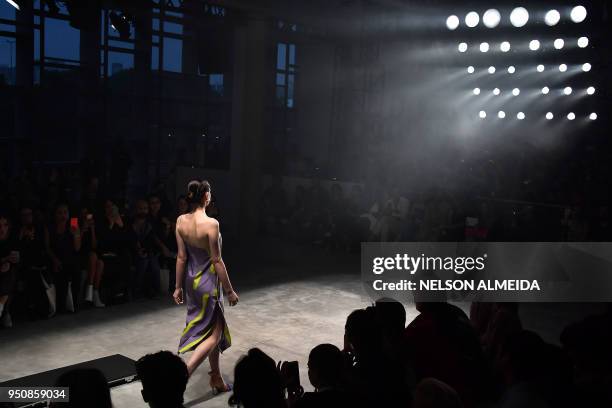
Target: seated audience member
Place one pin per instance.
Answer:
(112, 244)
(432, 393)
(522, 364)
(89, 255)
(257, 382)
(9, 258)
(588, 344)
(326, 365)
(88, 388)
(33, 259)
(164, 379)
(165, 239)
(493, 323)
(146, 253)
(371, 368)
(63, 242)
(442, 344)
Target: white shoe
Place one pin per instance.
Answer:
(89, 293)
(51, 295)
(7, 322)
(96, 299)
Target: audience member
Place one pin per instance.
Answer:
(88, 387)
(257, 382)
(9, 258)
(63, 242)
(164, 378)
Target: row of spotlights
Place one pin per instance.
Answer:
(518, 18)
(545, 90)
(521, 115)
(534, 45)
(586, 67)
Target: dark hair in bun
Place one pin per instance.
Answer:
(196, 190)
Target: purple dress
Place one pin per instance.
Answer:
(204, 298)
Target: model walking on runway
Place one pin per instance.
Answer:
(199, 256)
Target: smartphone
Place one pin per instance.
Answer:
(74, 223)
(291, 373)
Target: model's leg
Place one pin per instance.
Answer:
(204, 349)
(213, 359)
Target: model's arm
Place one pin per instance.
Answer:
(181, 260)
(214, 241)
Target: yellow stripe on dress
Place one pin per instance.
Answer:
(197, 279)
(200, 315)
(193, 343)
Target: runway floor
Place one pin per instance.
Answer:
(285, 311)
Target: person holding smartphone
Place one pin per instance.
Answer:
(199, 257)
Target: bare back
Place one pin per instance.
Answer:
(198, 230)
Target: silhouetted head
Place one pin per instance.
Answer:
(88, 388)
(391, 316)
(433, 393)
(199, 193)
(325, 366)
(257, 382)
(164, 378)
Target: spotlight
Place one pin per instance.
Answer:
(552, 17)
(590, 90)
(470, 69)
(476, 91)
(516, 92)
(491, 18)
(559, 43)
(484, 47)
(583, 42)
(482, 114)
(571, 116)
(567, 90)
(549, 115)
(501, 114)
(504, 46)
(534, 45)
(496, 91)
(540, 68)
(586, 67)
(452, 22)
(491, 70)
(545, 90)
(462, 47)
(519, 17)
(562, 67)
(578, 14)
(520, 116)
(472, 19)
(511, 69)
(120, 23)
(593, 116)
(14, 4)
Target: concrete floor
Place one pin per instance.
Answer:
(284, 320)
(289, 303)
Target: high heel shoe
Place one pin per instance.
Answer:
(217, 384)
